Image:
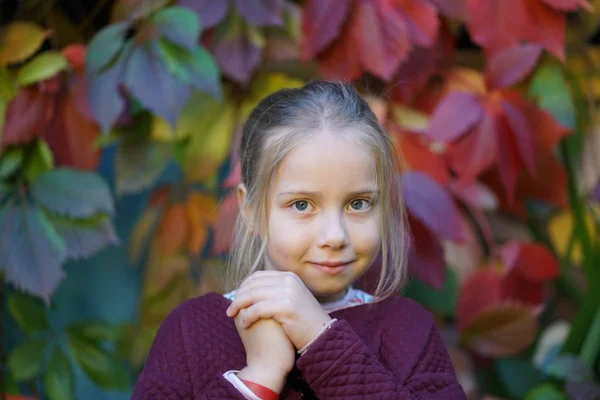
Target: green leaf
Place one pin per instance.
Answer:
(10, 161)
(25, 360)
(440, 301)
(59, 379)
(518, 376)
(205, 74)
(28, 311)
(85, 237)
(551, 91)
(546, 391)
(105, 46)
(8, 89)
(95, 331)
(174, 58)
(179, 25)
(569, 367)
(31, 252)
(102, 367)
(140, 164)
(73, 193)
(43, 66)
(40, 161)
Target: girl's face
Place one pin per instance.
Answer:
(324, 217)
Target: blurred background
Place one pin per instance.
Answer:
(120, 121)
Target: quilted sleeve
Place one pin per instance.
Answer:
(340, 366)
(166, 375)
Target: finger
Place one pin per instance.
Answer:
(247, 297)
(258, 275)
(266, 309)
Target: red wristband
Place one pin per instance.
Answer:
(261, 391)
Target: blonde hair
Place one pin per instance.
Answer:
(277, 124)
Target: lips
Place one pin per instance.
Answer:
(332, 267)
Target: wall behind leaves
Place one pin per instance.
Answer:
(119, 126)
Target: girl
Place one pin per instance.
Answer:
(320, 200)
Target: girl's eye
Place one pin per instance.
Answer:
(301, 205)
(360, 205)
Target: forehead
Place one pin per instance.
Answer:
(327, 161)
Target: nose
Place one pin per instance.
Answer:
(333, 232)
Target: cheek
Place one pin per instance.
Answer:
(366, 236)
(288, 239)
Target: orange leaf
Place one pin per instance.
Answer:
(503, 330)
(173, 230)
(201, 213)
(419, 157)
(481, 291)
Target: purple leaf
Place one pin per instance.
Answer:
(72, 193)
(322, 21)
(432, 205)
(237, 56)
(150, 82)
(105, 100)
(178, 24)
(260, 12)
(31, 251)
(453, 116)
(582, 390)
(511, 65)
(85, 238)
(211, 12)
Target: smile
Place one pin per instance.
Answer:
(331, 267)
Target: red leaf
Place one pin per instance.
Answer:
(321, 24)
(546, 26)
(422, 20)
(27, 115)
(75, 55)
(522, 133)
(509, 162)
(455, 114)
(432, 205)
(381, 34)
(476, 152)
(419, 157)
(569, 5)
(426, 256)
(514, 287)
(455, 9)
(532, 261)
(341, 61)
(227, 216)
(512, 64)
(482, 290)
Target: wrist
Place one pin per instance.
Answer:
(271, 378)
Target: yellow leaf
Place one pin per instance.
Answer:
(19, 40)
(466, 79)
(265, 84)
(42, 66)
(202, 212)
(560, 229)
(210, 142)
(410, 119)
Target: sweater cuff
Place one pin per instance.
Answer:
(237, 383)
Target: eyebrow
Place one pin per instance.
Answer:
(372, 192)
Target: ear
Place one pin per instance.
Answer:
(242, 193)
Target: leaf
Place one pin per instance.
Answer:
(568, 367)
(260, 12)
(10, 161)
(25, 360)
(426, 255)
(410, 119)
(431, 204)
(139, 164)
(419, 156)
(453, 116)
(59, 379)
(522, 134)
(39, 162)
(226, 219)
(210, 145)
(105, 47)
(550, 90)
(237, 54)
(476, 152)
(43, 66)
(135, 9)
(209, 11)
(31, 252)
(174, 229)
(481, 291)
(150, 82)
(95, 331)
(321, 24)
(27, 115)
(143, 230)
(19, 40)
(179, 25)
(264, 85)
(560, 229)
(532, 261)
(85, 237)
(75, 55)
(73, 193)
(442, 301)
(28, 311)
(201, 213)
(102, 367)
(512, 64)
(518, 376)
(205, 74)
(505, 329)
(8, 89)
(546, 391)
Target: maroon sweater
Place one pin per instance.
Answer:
(386, 350)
